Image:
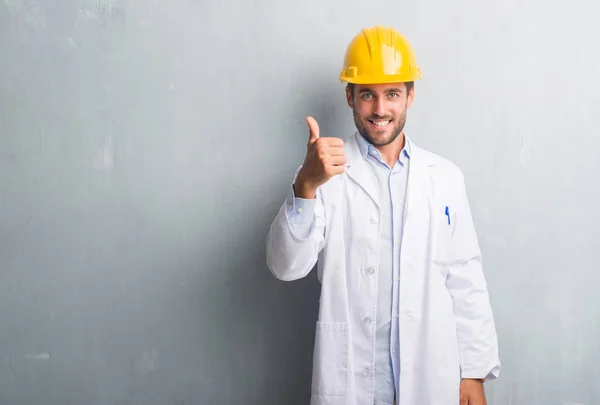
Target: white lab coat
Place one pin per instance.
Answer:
(447, 329)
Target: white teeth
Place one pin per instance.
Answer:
(381, 123)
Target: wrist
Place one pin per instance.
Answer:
(303, 189)
(479, 380)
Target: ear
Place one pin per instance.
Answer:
(411, 97)
(349, 97)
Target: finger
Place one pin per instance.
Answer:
(339, 169)
(335, 151)
(313, 128)
(333, 142)
(336, 160)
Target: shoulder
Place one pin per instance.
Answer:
(440, 165)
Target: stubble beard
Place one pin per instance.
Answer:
(364, 131)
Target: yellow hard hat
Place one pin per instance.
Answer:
(379, 55)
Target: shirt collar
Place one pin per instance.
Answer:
(365, 147)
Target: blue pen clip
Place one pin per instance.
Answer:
(448, 214)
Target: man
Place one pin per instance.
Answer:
(404, 315)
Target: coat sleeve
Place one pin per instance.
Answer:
(296, 236)
(466, 283)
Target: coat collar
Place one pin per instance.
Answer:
(357, 169)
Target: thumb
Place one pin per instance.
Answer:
(314, 129)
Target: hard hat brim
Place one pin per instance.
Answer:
(384, 79)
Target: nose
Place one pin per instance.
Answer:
(380, 108)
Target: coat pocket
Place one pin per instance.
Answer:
(330, 359)
(441, 234)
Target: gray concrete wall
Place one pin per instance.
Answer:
(146, 145)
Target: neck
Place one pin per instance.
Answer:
(391, 152)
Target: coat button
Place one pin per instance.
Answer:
(371, 270)
(373, 220)
(366, 371)
(368, 320)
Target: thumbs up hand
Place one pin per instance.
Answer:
(313, 127)
(324, 159)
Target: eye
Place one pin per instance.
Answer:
(394, 95)
(366, 96)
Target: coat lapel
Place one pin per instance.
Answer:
(418, 176)
(358, 171)
(419, 180)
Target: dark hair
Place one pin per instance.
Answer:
(409, 87)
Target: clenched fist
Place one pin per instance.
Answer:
(325, 158)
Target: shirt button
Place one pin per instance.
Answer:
(371, 270)
(290, 206)
(366, 371)
(368, 320)
(300, 210)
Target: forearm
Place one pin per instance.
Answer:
(295, 238)
(475, 325)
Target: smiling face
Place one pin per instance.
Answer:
(380, 110)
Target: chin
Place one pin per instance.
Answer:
(382, 139)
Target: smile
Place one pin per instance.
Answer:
(380, 123)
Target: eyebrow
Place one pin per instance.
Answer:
(367, 90)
